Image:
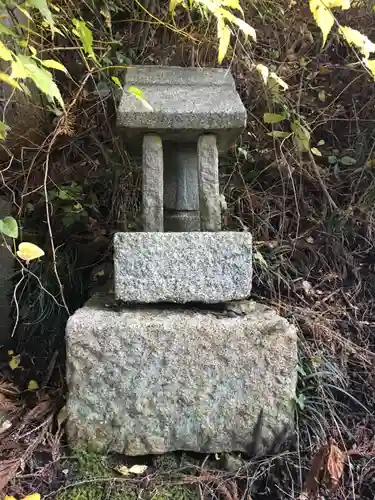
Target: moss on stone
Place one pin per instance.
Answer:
(91, 480)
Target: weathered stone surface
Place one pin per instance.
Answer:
(152, 183)
(152, 380)
(209, 201)
(181, 197)
(188, 100)
(6, 274)
(182, 267)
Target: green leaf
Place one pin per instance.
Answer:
(51, 63)
(25, 12)
(279, 134)
(136, 92)
(18, 69)
(300, 401)
(316, 152)
(8, 79)
(4, 30)
(9, 227)
(332, 159)
(15, 362)
(258, 257)
(5, 53)
(301, 136)
(173, 4)
(322, 95)
(84, 34)
(43, 8)
(3, 130)
(116, 81)
(273, 118)
(32, 385)
(26, 67)
(347, 160)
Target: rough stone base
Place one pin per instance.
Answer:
(208, 267)
(152, 380)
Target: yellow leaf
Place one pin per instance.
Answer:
(344, 4)
(322, 16)
(15, 362)
(28, 251)
(138, 469)
(51, 63)
(370, 63)
(5, 53)
(8, 79)
(356, 38)
(224, 38)
(233, 4)
(316, 152)
(264, 72)
(135, 469)
(32, 385)
(173, 4)
(34, 496)
(18, 69)
(279, 80)
(123, 470)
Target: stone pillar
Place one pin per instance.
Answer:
(152, 183)
(209, 196)
(181, 200)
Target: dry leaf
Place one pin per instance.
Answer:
(123, 470)
(327, 466)
(314, 476)
(8, 469)
(62, 416)
(335, 464)
(135, 469)
(7, 424)
(138, 469)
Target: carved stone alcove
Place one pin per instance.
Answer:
(191, 115)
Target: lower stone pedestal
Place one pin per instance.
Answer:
(148, 380)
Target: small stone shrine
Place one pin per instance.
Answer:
(180, 358)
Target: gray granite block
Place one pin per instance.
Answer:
(182, 267)
(209, 195)
(152, 183)
(185, 102)
(152, 380)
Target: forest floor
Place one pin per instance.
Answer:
(313, 223)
